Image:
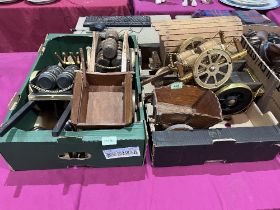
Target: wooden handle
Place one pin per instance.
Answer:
(16, 117)
(83, 67)
(62, 120)
(95, 37)
(125, 52)
(164, 71)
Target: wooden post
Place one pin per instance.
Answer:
(125, 52)
(95, 37)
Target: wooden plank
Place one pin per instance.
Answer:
(16, 117)
(62, 120)
(77, 92)
(199, 25)
(157, 28)
(95, 37)
(187, 36)
(105, 108)
(88, 50)
(220, 19)
(125, 52)
(173, 49)
(196, 19)
(127, 99)
(210, 33)
(83, 67)
(199, 29)
(179, 42)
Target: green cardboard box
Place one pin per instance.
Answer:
(26, 149)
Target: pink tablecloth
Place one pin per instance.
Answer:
(173, 7)
(23, 26)
(274, 15)
(209, 186)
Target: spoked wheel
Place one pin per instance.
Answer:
(212, 68)
(191, 44)
(234, 98)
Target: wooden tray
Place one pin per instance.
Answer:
(105, 102)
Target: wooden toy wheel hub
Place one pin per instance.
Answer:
(212, 68)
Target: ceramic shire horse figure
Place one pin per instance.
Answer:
(184, 3)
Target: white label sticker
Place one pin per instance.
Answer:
(122, 152)
(109, 140)
(176, 85)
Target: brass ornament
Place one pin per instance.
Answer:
(235, 98)
(212, 69)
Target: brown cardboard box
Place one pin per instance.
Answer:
(254, 135)
(271, 99)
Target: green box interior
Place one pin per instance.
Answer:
(24, 149)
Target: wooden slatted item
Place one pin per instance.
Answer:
(174, 32)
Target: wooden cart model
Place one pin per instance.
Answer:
(185, 108)
(102, 100)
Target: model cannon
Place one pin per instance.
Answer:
(210, 64)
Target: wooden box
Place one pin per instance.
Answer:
(26, 148)
(105, 102)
